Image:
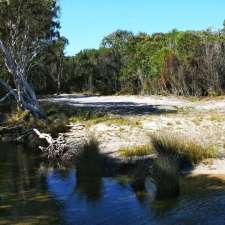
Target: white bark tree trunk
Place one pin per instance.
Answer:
(24, 93)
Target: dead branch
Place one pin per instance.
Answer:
(56, 147)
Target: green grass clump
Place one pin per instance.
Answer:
(139, 150)
(182, 150)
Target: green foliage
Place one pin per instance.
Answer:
(94, 71)
(188, 45)
(49, 67)
(183, 63)
(30, 25)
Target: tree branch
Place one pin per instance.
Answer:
(10, 90)
(5, 97)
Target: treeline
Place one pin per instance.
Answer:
(177, 62)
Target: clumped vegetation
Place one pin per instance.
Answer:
(55, 124)
(182, 151)
(185, 152)
(178, 62)
(139, 150)
(174, 154)
(182, 63)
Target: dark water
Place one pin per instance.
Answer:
(32, 193)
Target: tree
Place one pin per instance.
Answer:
(48, 67)
(26, 27)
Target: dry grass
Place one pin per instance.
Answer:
(217, 117)
(138, 150)
(18, 117)
(56, 123)
(182, 150)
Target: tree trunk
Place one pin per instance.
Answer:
(60, 72)
(24, 93)
(27, 98)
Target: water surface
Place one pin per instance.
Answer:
(33, 193)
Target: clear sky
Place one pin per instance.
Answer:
(86, 22)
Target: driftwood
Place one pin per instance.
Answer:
(56, 147)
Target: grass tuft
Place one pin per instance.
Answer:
(55, 124)
(18, 117)
(182, 150)
(139, 150)
(217, 117)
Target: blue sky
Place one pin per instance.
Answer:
(86, 22)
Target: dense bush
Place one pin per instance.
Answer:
(182, 63)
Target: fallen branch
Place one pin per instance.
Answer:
(44, 136)
(56, 147)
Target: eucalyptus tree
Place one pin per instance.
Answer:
(26, 27)
(47, 74)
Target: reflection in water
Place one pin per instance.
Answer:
(29, 195)
(89, 171)
(23, 196)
